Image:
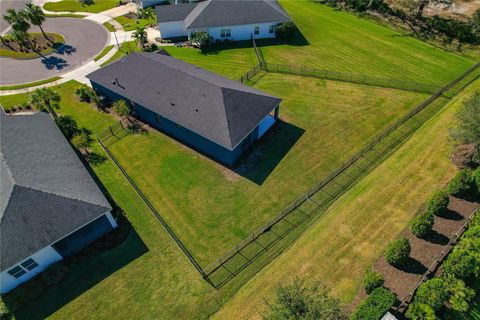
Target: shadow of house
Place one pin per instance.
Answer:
(267, 153)
(80, 277)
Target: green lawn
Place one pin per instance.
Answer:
(129, 24)
(340, 41)
(103, 53)
(125, 48)
(30, 84)
(109, 26)
(352, 234)
(76, 6)
(212, 208)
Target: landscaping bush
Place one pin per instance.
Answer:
(122, 108)
(472, 232)
(4, 312)
(285, 30)
(372, 281)
(476, 177)
(300, 301)
(438, 203)
(422, 224)
(462, 185)
(375, 305)
(397, 252)
(433, 292)
(67, 125)
(84, 93)
(464, 260)
(420, 311)
(460, 295)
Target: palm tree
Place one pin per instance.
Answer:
(36, 16)
(45, 98)
(19, 23)
(140, 36)
(21, 38)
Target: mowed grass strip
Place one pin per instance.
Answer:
(211, 208)
(352, 234)
(340, 41)
(76, 6)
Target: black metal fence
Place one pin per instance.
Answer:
(318, 199)
(352, 78)
(113, 133)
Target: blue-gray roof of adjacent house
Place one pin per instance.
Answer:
(219, 109)
(218, 13)
(46, 192)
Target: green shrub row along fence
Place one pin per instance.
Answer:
(285, 227)
(352, 78)
(432, 269)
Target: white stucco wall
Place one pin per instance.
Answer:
(43, 257)
(242, 32)
(172, 29)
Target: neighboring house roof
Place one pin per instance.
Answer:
(388, 316)
(46, 193)
(221, 110)
(218, 13)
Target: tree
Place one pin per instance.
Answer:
(460, 294)
(81, 140)
(420, 311)
(438, 203)
(397, 252)
(45, 98)
(122, 108)
(67, 125)
(36, 17)
(433, 292)
(285, 30)
(464, 261)
(20, 26)
(298, 300)
(372, 281)
(84, 93)
(200, 39)
(140, 36)
(147, 13)
(21, 38)
(467, 130)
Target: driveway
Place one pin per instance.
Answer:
(7, 4)
(84, 40)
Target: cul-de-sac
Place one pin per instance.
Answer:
(240, 159)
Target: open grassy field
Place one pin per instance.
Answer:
(76, 6)
(354, 231)
(211, 208)
(340, 41)
(130, 24)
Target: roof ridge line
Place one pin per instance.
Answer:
(268, 2)
(60, 195)
(194, 18)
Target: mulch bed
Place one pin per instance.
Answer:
(424, 251)
(41, 44)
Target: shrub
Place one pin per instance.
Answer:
(4, 312)
(375, 305)
(460, 294)
(82, 141)
(422, 224)
(420, 311)
(300, 301)
(472, 232)
(438, 203)
(433, 292)
(200, 39)
(67, 125)
(397, 252)
(462, 185)
(84, 93)
(372, 281)
(476, 177)
(285, 30)
(122, 108)
(464, 261)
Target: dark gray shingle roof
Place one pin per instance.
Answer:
(217, 13)
(46, 192)
(221, 110)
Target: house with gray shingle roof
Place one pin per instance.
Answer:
(50, 206)
(212, 114)
(221, 19)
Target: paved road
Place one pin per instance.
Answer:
(84, 40)
(7, 4)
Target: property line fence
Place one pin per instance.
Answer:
(258, 53)
(250, 74)
(311, 205)
(352, 78)
(115, 131)
(402, 308)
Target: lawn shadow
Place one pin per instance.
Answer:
(413, 266)
(54, 63)
(80, 277)
(267, 153)
(436, 238)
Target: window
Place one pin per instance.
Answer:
(225, 33)
(271, 29)
(256, 30)
(30, 264)
(17, 272)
